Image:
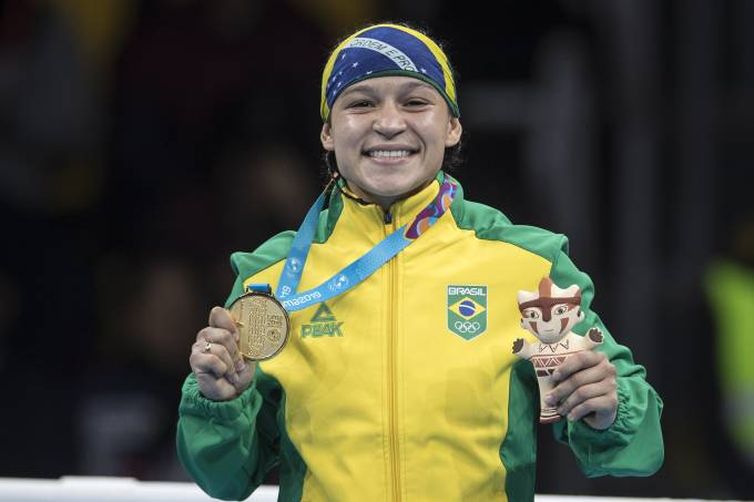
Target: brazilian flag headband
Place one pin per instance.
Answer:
(387, 50)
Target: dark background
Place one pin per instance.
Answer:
(142, 142)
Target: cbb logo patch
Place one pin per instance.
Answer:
(467, 310)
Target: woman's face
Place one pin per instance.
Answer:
(389, 136)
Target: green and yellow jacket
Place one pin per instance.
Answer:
(406, 387)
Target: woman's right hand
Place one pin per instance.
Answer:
(219, 367)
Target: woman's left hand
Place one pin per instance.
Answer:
(585, 387)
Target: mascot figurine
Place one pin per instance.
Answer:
(549, 314)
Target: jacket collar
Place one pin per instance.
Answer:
(403, 211)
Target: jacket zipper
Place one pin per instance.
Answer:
(391, 354)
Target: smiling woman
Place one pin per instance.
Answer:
(398, 380)
(389, 135)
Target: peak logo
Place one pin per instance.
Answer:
(322, 323)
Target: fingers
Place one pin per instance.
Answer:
(598, 413)
(217, 389)
(216, 360)
(219, 376)
(206, 364)
(587, 386)
(245, 374)
(593, 393)
(577, 362)
(602, 371)
(221, 337)
(216, 351)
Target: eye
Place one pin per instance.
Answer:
(416, 102)
(531, 314)
(361, 103)
(560, 309)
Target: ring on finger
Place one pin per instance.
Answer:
(207, 347)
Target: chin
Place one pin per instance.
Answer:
(389, 189)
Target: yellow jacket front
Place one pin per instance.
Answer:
(392, 391)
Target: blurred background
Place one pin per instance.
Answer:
(143, 141)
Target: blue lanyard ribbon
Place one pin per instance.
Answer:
(362, 267)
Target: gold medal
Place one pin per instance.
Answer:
(263, 325)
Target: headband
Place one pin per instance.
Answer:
(386, 50)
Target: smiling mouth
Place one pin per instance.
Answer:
(389, 154)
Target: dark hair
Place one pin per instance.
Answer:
(453, 158)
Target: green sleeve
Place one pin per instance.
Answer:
(633, 445)
(227, 447)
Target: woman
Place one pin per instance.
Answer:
(404, 385)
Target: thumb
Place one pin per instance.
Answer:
(221, 318)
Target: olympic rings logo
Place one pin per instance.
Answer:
(467, 326)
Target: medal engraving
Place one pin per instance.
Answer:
(263, 325)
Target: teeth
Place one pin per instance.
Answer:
(390, 154)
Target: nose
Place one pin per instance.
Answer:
(389, 121)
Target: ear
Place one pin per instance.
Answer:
(325, 136)
(453, 135)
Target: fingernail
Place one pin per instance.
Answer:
(549, 400)
(556, 375)
(240, 365)
(571, 417)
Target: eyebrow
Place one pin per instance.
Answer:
(367, 88)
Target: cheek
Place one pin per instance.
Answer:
(345, 133)
(342, 140)
(440, 136)
(568, 321)
(533, 326)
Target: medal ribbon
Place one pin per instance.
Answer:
(362, 267)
